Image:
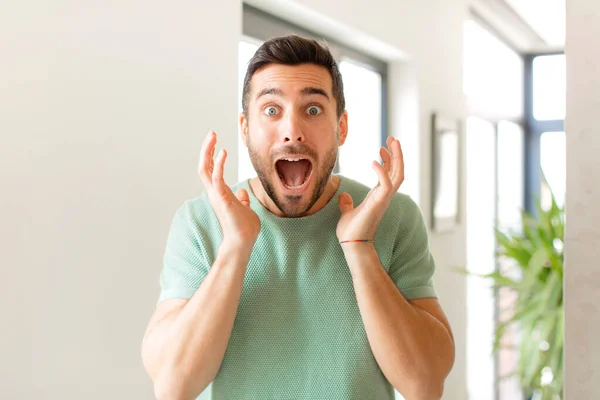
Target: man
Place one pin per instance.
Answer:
(282, 288)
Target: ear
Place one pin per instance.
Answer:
(243, 123)
(343, 128)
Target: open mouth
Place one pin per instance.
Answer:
(294, 172)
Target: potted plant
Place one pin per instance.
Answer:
(535, 276)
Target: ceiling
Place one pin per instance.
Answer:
(546, 17)
(529, 26)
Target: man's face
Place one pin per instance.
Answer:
(293, 133)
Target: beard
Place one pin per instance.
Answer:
(293, 206)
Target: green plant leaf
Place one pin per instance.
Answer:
(500, 280)
(533, 272)
(462, 271)
(536, 279)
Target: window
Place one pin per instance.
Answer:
(365, 80)
(520, 102)
(554, 165)
(493, 85)
(510, 189)
(544, 114)
(549, 87)
(511, 174)
(246, 50)
(363, 94)
(493, 75)
(481, 198)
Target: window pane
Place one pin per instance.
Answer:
(245, 52)
(511, 175)
(549, 83)
(493, 75)
(363, 92)
(554, 164)
(481, 198)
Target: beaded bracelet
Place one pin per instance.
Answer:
(357, 241)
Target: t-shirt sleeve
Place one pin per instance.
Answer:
(412, 265)
(185, 263)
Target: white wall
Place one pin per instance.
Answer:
(102, 112)
(582, 236)
(103, 107)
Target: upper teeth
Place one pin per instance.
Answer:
(293, 159)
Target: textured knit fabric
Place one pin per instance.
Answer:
(298, 332)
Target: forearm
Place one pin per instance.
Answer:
(413, 349)
(196, 341)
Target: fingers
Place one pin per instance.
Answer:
(396, 170)
(211, 170)
(386, 158)
(243, 197)
(205, 166)
(217, 174)
(345, 202)
(384, 177)
(389, 140)
(398, 164)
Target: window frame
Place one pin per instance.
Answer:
(533, 134)
(259, 25)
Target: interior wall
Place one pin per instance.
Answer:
(582, 276)
(103, 107)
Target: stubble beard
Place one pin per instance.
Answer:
(290, 205)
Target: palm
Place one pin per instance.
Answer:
(361, 222)
(351, 222)
(238, 221)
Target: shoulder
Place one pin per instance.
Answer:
(196, 208)
(403, 207)
(196, 214)
(403, 220)
(357, 190)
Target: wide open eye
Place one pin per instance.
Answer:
(314, 110)
(271, 111)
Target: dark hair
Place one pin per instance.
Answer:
(295, 50)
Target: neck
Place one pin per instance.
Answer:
(332, 185)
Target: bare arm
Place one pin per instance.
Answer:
(185, 342)
(411, 341)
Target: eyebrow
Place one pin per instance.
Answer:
(275, 91)
(314, 90)
(305, 91)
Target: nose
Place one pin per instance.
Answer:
(292, 129)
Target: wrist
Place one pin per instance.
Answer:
(360, 256)
(357, 247)
(357, 241)
(241, 248)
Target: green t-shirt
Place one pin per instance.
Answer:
(298, 332)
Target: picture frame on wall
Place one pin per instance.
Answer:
(445, 182)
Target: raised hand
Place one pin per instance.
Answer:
(239, 223)
(361, 223)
